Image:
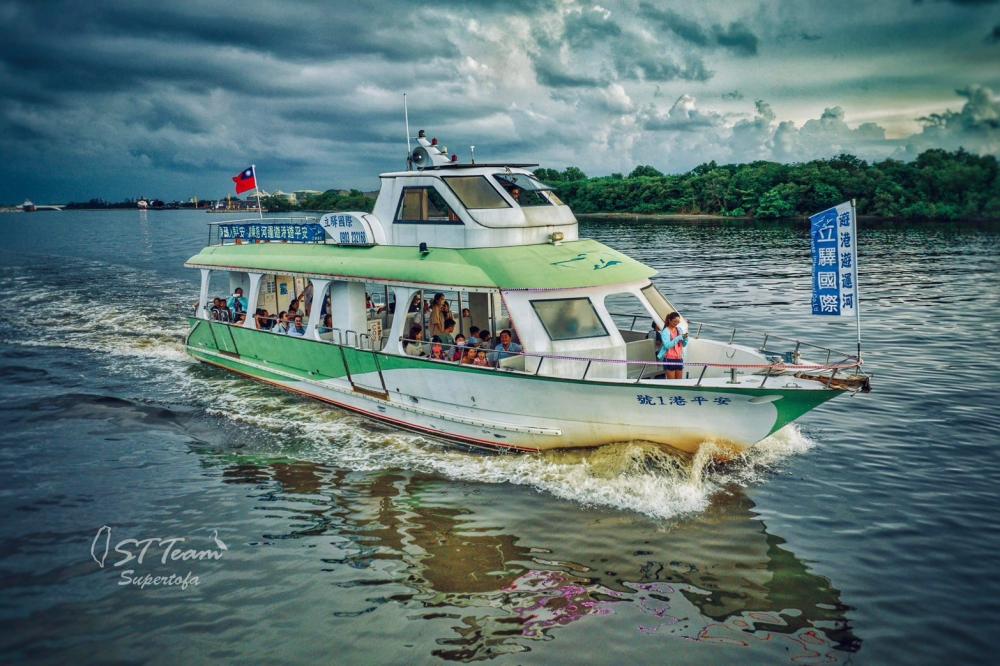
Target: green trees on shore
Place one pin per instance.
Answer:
(327, 201)
(937, 185)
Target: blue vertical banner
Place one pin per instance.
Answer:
(835, 262)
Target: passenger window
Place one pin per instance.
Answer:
(424, 205)
(569, 318)
(630, 316)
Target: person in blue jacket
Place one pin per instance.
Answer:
(672, 350)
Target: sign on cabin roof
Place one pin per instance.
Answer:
(332, 228)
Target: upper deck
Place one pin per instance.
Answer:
(467, 206)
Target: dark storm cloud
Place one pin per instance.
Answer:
(584, 29)
(737, 37)
(104, 97)
(627, 55)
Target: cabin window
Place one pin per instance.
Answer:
(475, 192)
(569, 319)
(424, 205)
(630, 316)
(523, 189)
(661, 305)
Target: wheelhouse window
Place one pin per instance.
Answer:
(475, 192)
(525, 190)
(660, 304)
(569, 319)
(424, 205)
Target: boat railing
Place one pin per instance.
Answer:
(598, 369)
(586, 368)
(249, 230)
(748, 338)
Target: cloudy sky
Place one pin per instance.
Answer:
(170, 99)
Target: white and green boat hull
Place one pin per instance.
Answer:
(508, 410)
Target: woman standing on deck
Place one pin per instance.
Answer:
(672, 350)
(436, 323)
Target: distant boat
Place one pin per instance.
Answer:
(28, 206)
(142, 204)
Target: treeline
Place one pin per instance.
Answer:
(329, 200)
(101, 204)
(937, 185)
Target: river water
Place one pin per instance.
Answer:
(866, 533)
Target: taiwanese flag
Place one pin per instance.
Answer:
(245, 181)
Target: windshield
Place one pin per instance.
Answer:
(475, 192)
(525, 190)
(660, 304)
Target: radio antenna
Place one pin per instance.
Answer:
(406, 119)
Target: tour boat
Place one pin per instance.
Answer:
(505, 253)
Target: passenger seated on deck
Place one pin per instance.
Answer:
(218, 311)
(481, 359)
(297, 329)
(327, 326)
(437, 350)
(458, 351)
(505, 348)
(241, 318)
(473, 335)
(485, 339)
(293, 307)
(470, 356)
(281, 326)
(414, 345)
(448, 337)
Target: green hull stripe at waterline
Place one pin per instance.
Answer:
(583, 263)
(317, 361)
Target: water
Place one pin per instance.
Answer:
(867, 533)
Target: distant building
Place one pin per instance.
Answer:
(287, 196)
(302, 195)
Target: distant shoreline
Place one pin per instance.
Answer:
(706, 217)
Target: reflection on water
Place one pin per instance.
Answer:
(720, 580)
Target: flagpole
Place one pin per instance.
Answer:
(256, 187)
(857, 287)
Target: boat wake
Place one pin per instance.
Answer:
(143, 339)
(639, 477)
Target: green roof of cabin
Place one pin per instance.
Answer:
(582, 263)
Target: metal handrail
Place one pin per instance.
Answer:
(772, 369)
(734, 332)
